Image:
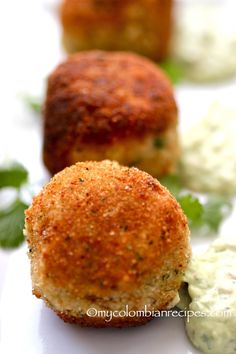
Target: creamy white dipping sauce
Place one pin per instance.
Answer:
(209, 152)
(204, 39)
(211, 279)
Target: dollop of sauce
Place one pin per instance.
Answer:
(211, 279)
(204, 39)
(209, 152)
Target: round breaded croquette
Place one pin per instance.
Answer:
(106, 238)
(115, 106)
(135, 25)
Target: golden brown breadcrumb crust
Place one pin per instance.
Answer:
(103, 98)
(141, 26)
(99, 231)
(96, 322)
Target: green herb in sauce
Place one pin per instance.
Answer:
(211, 279)
(209, 158)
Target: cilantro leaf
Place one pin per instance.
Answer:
(11, 224)
(13, 175)
(172, 183)
(208, 214)
(173, 70)
(34, 103)
(216, 209)
(192, 208)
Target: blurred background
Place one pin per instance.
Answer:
(201, 56)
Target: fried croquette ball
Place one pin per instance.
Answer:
(106, 238)
(135, 25)
(114, 106)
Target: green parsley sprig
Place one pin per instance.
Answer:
(33, 103)
(12, 175)
(208, 214)
(173, 70)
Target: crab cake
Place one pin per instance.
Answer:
(106, 238)
(115, 106)
(135, 25)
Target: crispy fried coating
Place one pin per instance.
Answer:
(142, 26)
(104, 236)
(115, 106)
